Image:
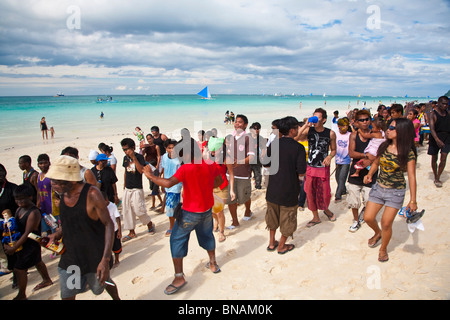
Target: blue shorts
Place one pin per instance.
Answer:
(172, 200)
(202, 223)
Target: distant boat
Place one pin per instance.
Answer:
(108, 99)
(59, 94)
(205, 93)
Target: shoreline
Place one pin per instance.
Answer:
(78, 118)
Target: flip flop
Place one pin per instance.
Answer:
(330, 217)
(176, 289)
(312, 223)
(383, 258)
(152, 229)
(376, 243)
(290, 247)
(245, 218)
(127, 238)
(274, 247)
(415, 216)
(438, 184)
(208, 265)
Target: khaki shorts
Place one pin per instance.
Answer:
(283, 217)
(243, 191)
(355, 193)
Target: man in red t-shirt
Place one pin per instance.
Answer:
(198, 180)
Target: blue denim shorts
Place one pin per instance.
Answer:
(202, 223)
(172, 200)
(387, 196)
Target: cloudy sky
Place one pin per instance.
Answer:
(343, 47)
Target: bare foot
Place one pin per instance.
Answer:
(43, 284)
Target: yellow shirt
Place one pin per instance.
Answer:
(305, 144)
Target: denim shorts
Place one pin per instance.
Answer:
(387, 196)
(202, 223)
(172, 200)
(72, 284)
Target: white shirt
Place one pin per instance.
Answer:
(113, 213)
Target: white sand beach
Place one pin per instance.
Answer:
(328, 261)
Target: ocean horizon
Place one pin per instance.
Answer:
(78, 116)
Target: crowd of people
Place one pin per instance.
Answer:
(194, 180)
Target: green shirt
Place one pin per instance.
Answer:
(391, 175)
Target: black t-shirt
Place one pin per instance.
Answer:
(133, 179)
(84, 238)
(318, 145)
(284, 187)
(7, 199)
(108, 177)
(27, 181)
(360, 146)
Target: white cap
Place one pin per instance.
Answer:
(93, 155)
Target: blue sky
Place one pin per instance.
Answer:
(346, 47)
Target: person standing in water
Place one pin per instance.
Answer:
(44, 128)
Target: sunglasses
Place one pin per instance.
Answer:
(363, 120)
(392, 128)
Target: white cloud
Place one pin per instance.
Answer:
(236, 45)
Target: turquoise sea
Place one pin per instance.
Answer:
(79, 116)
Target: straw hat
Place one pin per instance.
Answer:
(64, 168)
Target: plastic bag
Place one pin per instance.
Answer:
(219, 204)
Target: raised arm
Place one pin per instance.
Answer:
(163, 182)
(303, 132)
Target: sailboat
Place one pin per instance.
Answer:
(205, 93)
